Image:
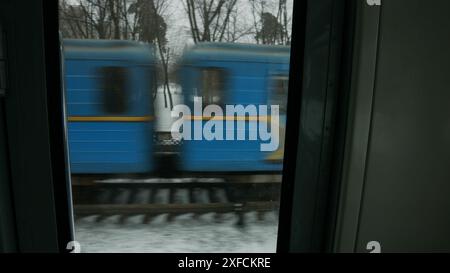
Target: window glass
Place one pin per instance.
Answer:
(151, 170)
(280, 85)
(114, 89)
(213, 85)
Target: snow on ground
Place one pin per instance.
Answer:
(184, 234)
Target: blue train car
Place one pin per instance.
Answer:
(234, 74)
(109, 106)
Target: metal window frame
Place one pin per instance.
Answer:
(8, 239)
(316, 122)
(42, 201)
(360, 103)
(35, 127)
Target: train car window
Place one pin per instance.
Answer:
(280, 86)
(213, 82)
(114, 89)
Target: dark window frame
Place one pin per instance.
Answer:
(317, 103)
(305, 189)
(36, 128)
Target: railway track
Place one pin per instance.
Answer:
(153, 197)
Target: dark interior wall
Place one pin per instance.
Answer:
(27, 127)
(396, 184)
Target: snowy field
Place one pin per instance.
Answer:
(185, 234)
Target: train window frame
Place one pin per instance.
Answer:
(305, 180)
(38, 169)
(313, 165)
(114, 86)
(8, 239)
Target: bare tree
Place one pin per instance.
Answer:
(210, 20)
(152, 28)
(257, 8)
(271, 30)
(283, 19)
(87, 20)
(268, 27)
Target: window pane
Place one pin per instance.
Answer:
(280, 85)
(213, 85)
(176, 122)
(114, 88)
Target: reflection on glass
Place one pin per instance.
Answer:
(176, 124)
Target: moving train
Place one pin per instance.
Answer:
(111, 116)
(234, 74)
(109, 106)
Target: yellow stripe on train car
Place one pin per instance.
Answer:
(110, 119)
(229, 118)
